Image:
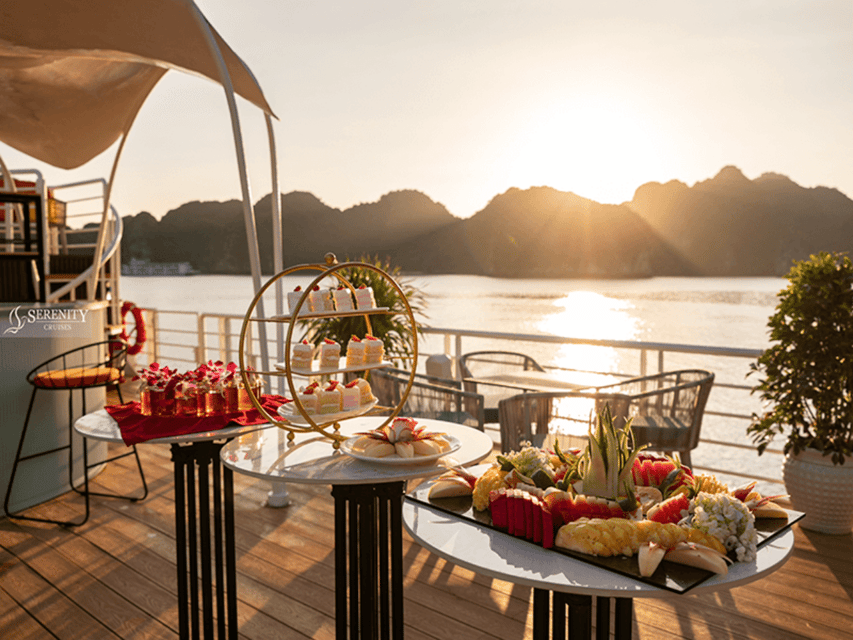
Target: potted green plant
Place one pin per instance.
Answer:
(806, 384)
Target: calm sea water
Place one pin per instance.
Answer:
(723, 312)
(712, 311)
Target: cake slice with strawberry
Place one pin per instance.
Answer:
(355, 352)
(301, 356)
(308, 398)
(364, 388)
(374, 350)
(343, 299)
(329, 399)
(350, 396)
(320, 299)
(330, 354)
(364, 297)
(293, 298)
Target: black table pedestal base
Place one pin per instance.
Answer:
(202, 539)
(556, 614)
(369, 560)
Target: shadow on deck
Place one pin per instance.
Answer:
(115, 577)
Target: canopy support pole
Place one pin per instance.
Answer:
(248, 212)
(277, 243)
(102, 228)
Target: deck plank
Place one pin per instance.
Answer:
(14, 616)
(114, 577)
(60, 615)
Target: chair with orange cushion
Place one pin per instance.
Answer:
(100, 364)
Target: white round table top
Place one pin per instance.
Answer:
(311, 458)
(498, 555)
(99, 425)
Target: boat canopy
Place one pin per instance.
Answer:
(74, 73)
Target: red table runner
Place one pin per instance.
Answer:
(136, 428)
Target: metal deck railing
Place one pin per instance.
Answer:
(77, 203)
(184, 339)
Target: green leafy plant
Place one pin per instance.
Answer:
(393, 329)
(807, 373)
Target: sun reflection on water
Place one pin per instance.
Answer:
(586, 314)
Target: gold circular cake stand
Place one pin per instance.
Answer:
(332, 268)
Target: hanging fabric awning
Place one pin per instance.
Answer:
(74, 73)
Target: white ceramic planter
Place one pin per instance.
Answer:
(820, 489)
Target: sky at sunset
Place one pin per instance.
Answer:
(463, 99)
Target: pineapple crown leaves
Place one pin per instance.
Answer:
(608, 459)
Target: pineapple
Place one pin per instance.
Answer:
(492, 480)
(664, 535)
(701, 537)
(616, 536)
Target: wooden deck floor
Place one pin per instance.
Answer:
(114, 577)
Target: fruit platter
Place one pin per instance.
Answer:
(618, 507)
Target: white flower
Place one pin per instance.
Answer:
(727, 519)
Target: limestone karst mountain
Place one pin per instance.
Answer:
(732, 226)
(727, 225)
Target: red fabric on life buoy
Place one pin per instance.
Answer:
(136, 347)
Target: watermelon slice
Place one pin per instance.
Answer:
(516, 513)
(529, 515)
(670, 510)
(560, 505)
(538, 508)
(547, 527)
(498, 505)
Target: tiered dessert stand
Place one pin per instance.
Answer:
(300, 421)
(368, 501)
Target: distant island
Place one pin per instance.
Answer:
(727, 225)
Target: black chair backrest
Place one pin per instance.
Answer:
(428, 397)
(489, 362)
(680, 394)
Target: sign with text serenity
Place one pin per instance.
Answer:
(41, 322)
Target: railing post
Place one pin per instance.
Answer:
(221, 338)
(201, 346)
(457, 356)
(153, 339)
(115, 273)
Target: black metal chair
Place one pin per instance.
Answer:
(429, 397)
(480, 364)
(99, 364)
(666, 408)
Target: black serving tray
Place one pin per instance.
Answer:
(671, 576)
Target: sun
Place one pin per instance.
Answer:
(598, 147)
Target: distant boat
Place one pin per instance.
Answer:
(138, 267)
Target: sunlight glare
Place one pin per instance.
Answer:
(599, 146)
(586, 314)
